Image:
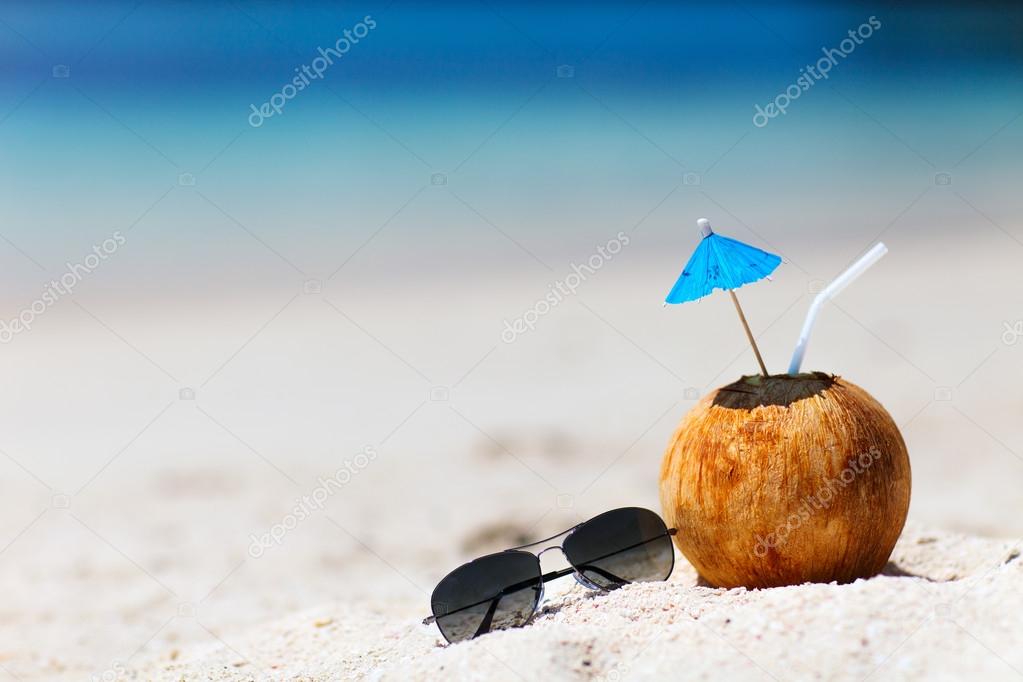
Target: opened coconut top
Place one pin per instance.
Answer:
(777, 389)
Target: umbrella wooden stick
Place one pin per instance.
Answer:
(749, 334)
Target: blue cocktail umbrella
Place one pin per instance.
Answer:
(722, 263)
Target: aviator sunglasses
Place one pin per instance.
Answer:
(502, 590)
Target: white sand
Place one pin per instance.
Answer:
(949, 606)
(128, 510)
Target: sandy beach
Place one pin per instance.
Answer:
(147, 557)
(947, 607)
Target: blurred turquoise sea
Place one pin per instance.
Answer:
(469, 94)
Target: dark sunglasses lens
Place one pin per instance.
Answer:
(494, 592)
(621, 546)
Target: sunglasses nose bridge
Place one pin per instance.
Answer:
(539, 555)
(579, 577)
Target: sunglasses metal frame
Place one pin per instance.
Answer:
(554, 575)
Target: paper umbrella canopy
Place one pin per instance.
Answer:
(722, 263)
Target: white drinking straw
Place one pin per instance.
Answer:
(830, 291)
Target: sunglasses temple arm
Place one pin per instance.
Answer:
(669, 532)
(545, 578)
(611, 576)
(489, 617)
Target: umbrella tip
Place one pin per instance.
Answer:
(704, 226)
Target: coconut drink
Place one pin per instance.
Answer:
(782, 479)
(785, 479)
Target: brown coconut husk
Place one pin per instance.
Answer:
(782, 480)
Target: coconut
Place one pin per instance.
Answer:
(784, 479)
